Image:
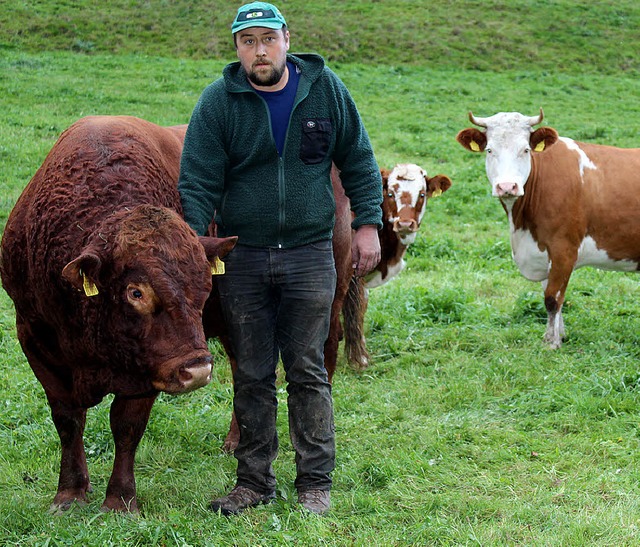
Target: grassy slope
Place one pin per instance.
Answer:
(464, 430)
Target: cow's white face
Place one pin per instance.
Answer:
(508, 154)
(406, 197)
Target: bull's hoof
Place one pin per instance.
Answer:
(120, 506)
(230, 444)
(58, 508)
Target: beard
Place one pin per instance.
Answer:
(270, 78)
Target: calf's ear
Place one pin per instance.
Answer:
(83, 271)
(472, 139)
(438, 184)
(542, 138)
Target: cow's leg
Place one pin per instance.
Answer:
(73, 482)
(129, 419)
(554, 292)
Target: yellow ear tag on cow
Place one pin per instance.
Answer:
(436, 192)
(474, 146)
(89, 286)
(539, 147)
(217, 266)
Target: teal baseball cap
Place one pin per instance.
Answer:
(258, 14)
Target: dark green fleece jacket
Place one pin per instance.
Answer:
(230, 166)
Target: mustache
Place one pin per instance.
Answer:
(259, 62)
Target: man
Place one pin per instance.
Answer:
(257, 155)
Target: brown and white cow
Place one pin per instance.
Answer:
(109, 284)
(569, 204)
(406, 189)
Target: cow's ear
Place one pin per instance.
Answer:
(472, 139)
(384, 173)
(83, 271)
(438, 184)
(542, 138)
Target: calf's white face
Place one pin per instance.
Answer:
(407, 190)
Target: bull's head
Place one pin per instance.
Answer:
(145, 278)
(406, 189)
(509, 141)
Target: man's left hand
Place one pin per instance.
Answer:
(365, 249)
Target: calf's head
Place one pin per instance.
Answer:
(509, 141)
(406, 189)
(144, 278)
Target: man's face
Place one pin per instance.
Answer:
(263, 54)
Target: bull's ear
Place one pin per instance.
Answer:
(83, 271)
(542, 138)
(438, 184)
(217, 246)
(472, 139)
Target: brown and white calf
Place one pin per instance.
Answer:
(569, 204)
(406, 190)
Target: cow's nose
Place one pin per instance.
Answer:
(507, 189)
(405, 226)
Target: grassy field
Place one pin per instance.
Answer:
(465, 430)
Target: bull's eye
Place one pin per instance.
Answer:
(488, 150)
(389, 194)
(143, 298)
(136, 293)
(527, 150)
(422, 194)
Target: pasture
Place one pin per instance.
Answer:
(465, 429)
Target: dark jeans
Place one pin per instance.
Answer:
(278, 304)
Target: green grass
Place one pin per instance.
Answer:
(465, 430)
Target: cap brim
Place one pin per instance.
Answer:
(242, 26)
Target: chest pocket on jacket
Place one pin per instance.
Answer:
(316, 138)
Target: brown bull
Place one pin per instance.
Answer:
(109, 284)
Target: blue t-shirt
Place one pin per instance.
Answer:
(280, 104)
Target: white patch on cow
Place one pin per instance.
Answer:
(375, 279)
(590, 255)
(533, 263)
(584, 161)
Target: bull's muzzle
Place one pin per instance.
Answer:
(185, 375)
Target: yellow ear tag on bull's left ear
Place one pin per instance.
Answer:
(539, 147)
(474, 146)
(217, 266)
(89, 286)
(436, 193)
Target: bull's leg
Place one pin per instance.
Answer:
(39, 344)
(554, 292)
(73, 482)
(129, 419)
(233, 436)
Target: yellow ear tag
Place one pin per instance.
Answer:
(436, 192)
(474, 146)
(217, 266)
(89, 286)
(539, 147)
